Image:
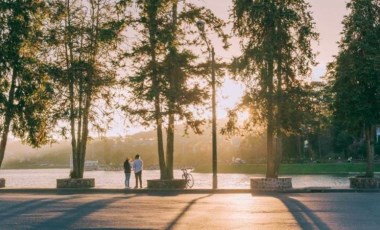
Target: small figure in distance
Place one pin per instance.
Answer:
(138, 167)
(349, 160)
(127, 171)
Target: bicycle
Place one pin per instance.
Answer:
(186, 175)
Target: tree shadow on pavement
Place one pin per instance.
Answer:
(184, 210)
(76, 213)
(161, 193)
(305, 217)
(26, 207)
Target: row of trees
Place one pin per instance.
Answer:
(276, 38)
(61, 63)
(74, 50)
(167, 81)
(58, 59)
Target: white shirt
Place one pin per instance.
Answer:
(137, 165)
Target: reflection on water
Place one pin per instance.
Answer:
(46, 178)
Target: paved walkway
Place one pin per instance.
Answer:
(168, 210)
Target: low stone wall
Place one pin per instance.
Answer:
(76, 183)
(365, 182)
(2, 182)
(167, 184)
(271, 184)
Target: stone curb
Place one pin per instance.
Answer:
(68, 191)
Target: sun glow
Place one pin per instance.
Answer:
(228, 95)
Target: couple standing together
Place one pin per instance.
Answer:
(137, 166)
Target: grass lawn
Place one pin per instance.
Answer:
(292, 169)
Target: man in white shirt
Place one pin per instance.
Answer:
(138, 167)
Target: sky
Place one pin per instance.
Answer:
(328, 16)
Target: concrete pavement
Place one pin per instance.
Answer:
(172, 210)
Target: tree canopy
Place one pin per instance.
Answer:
(276, 38)
(355, 74)
(168, 83)
(25, 89)
(83, 41)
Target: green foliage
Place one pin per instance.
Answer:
(25, 89)
(173, 55)
(167, 77)
(33, 121)
(83, 40)
(276, 38)
(355, 74)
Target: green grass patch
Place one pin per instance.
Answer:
(292, 169)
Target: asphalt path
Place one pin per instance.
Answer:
(190, 211)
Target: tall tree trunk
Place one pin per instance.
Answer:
(271, 155)
(158, 118)
(8, 117)
(86, 90)
(160, 139)
(80, 127)
(279, 152)
(370, 141)
(83, 142)
(170, 147)
(69, 60)
(4, 138)
(172, 96)
(157, 100)
(74, 146)
(279, 116)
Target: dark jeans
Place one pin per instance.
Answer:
(138, 178)
(127, 177)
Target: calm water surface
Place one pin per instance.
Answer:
(46, 178)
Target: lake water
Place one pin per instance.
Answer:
(46, 178)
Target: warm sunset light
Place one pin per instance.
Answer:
(329, 26)
(189, 114)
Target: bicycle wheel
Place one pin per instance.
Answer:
(190, 181)
(184, 177)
